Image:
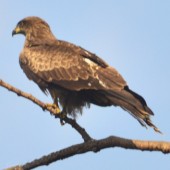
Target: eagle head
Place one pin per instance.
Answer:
(33, 28)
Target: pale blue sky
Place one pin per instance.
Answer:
(132, 36)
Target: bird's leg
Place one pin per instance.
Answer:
(58, 113)
(55, 107)
(62, 116)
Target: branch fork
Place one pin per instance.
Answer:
(89, 144)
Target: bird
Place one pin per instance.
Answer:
(73, 76)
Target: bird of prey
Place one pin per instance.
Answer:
(73, 76)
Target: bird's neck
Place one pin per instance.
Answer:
(35, 39)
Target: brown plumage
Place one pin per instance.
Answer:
(73, 76)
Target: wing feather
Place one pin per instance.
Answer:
(72, 67)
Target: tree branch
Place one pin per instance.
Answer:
(96, 146)
(89, 144)
(70, 121)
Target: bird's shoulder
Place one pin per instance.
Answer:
(82, 52)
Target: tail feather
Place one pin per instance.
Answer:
(141, 99)
(134, 104)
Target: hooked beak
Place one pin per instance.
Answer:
(17, 30)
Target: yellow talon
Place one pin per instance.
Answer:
(55, 107)
(57, 112)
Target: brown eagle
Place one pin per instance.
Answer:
(73, 76)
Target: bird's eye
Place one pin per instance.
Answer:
(21, 23)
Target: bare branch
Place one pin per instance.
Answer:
(76, 126)
(89, 144)
(15, 168)
(23, 94)
(70, 121)
(96, 146)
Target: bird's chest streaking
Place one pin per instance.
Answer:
(31, 62)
